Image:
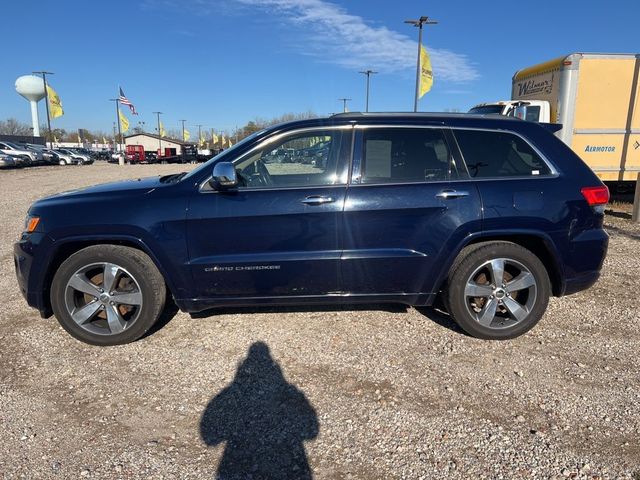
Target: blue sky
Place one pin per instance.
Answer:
(220, 63)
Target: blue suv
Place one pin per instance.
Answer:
(483, 217)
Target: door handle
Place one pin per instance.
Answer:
(446, 194)
(317, 200)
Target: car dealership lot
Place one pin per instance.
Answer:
(370, 392)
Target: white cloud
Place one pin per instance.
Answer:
(338, 37)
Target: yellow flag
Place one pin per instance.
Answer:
(202, 140)
(186, 135)
(55, 139)
(104, 141)
(223, 141)
(426, 72)
(214, 139)
(163, 132)
(124, 122)
(230, 143)
(79, 139)
(55, 105)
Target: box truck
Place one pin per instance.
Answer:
(596, 99)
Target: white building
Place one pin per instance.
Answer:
(152, 143)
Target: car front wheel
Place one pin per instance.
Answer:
(497, 290)
(107, 294)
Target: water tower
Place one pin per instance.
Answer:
(31, 88)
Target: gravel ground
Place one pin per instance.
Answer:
(366, 392)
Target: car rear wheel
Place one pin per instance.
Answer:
(107, 294)
(62, 162)
(497, 290)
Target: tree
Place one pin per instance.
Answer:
(14, 127)
(259, 123)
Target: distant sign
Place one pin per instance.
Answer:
(600, 148)
(535, 86)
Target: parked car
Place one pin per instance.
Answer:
(103, 154)
(85, 152)
(82, 159)
(116, 156)
(29, 156)
(63, 158)
(7, 161)
(47, 157)
(150, 157)
(483, 217)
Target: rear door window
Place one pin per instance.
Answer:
(499, 154)
(404, 155)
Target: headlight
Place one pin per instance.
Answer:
(31, 223)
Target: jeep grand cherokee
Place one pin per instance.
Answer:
(488, 217)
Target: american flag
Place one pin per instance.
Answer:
(125, 101)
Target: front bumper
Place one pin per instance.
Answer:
(28, 272)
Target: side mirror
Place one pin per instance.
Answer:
(520, 112)
(224, 176)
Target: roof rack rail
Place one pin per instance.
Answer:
(346, 114)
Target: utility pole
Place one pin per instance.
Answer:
(183, 130)
(46, 102)
(344, 104)
(114, 137)
(117, 100)
(199, 134)
(368, 73)
(419, 23)
(159, 134)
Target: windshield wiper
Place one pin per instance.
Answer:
(173, 177)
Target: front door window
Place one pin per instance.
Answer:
(306, 159)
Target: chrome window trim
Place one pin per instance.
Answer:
(357, 162)
(554, 171)
(202, 188)
(552, 168)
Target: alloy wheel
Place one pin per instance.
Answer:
(500, 293)
(103, 298)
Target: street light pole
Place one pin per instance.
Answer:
(46, 102)
(117, 100)
(199, 134)
(419, 23)
(368, 73)
(159, 135)
(344, 104)
(183, 130)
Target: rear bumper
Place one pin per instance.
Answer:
(581, 282)
(586, 254)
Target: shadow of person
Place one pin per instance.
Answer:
(264, 421)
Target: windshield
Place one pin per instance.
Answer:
(487, 109)
(207, 165)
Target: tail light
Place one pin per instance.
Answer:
(595, 195)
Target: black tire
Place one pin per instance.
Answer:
(471, 269)
(137, 273)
